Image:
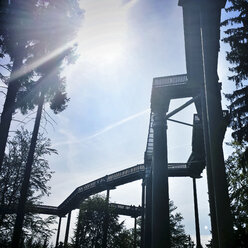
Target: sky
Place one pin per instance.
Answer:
(123, 45)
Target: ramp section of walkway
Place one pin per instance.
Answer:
(111, 181)
(120, 209)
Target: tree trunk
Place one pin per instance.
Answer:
(25, 185)
(9, 108)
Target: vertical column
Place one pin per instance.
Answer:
(211, 192)
(160, 191)
(148, 208)
(142, 215)
(194, 63)
(67, 229)
(58, 233)
(197, 226)
(105, 223)
(210, 22)
(135, 233)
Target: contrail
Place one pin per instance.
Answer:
(106, 129)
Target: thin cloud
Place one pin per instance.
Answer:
(104, 130)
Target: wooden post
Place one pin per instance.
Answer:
(197, 226)
(58, 233)
(143, 215)
(148, 209)
(160, 189)
(210, 35)
(67, 229)
(135, 233)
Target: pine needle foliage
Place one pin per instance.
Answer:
(237, 171)
(90, 226)
(11, 177)
(237, 38)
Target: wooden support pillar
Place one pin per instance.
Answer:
(135, 233)
(142, 214)
(58, 233)
(67, 229)
(160, 189)
(194, 64)
(210, 34)
(148, 209)
(106, 222)
(211, 192)
(197, 226)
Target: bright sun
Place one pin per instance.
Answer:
(103, 36)
(107, 53)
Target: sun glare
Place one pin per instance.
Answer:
(108, 53)
(103, 36)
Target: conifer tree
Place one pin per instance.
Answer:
(90, 226)
(11, 178)
(35, 36)
(178, 235)
(237, 163)
(237, 38)
(237, 172)
(89, 229)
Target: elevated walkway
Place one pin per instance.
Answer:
(113, 180)
(120, 209)
(173, 87)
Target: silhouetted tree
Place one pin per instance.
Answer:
(13, 43)
(89, 230)
(26, 178)
(35, 229)
(178, 237)
(237, 38)
(58, 104)
(125, 239)
(56, 26)
(35, 36)
(237, 171)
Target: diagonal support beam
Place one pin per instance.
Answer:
(181, 122)
(181, 107)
